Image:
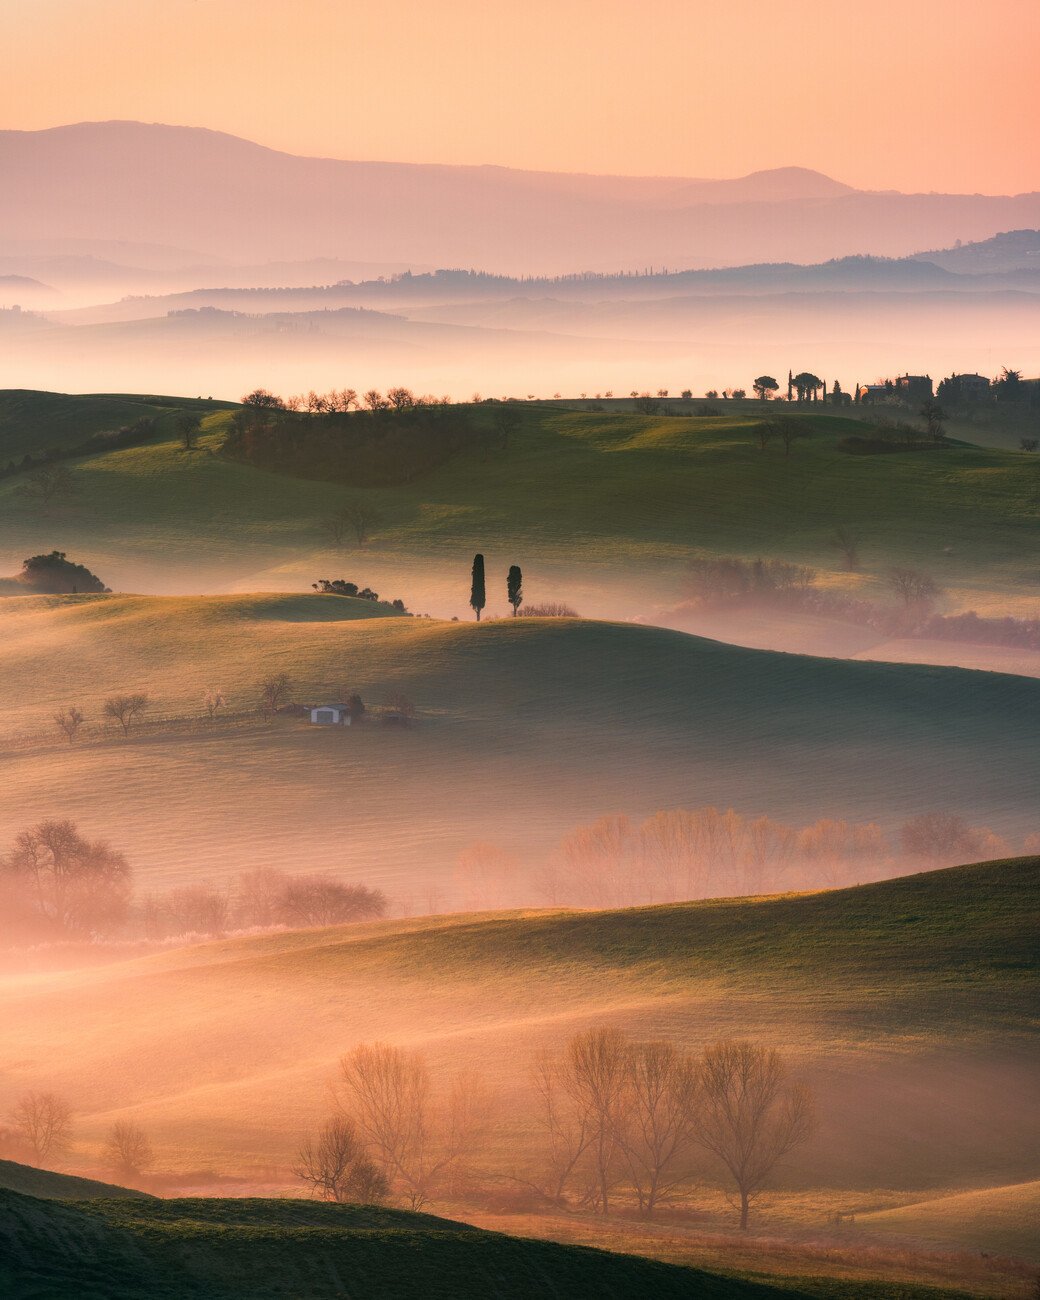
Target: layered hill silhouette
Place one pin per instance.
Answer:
(146, 183)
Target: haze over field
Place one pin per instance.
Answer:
(519, 650)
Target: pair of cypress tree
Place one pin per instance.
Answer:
(478, 591)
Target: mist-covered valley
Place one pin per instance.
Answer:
(505, 760)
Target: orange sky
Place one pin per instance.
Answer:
(900, 94)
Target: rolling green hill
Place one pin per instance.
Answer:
(601, 509)
(33, 422)
(880, 996)
(526, 727)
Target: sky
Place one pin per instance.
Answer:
(891, 94)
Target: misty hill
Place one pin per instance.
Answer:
(260, 1250)
(592, 718)
(131, 181)
(24, 289)
(1010, 251)
(878, 994)
(45, 1184)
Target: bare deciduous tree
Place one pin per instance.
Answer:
(789, 430)
(847, 541)
(127, 1149)
(749, 1116)
(416, 1140)
(198, 909)
(595, 1077)
(916, 590)
(257, 896)
(47, 484)
(213, 701)
(275, 691)
(321, 900)
(78, 886)
(567, 1128)
(125, 709)
(659, 1135)
(44, 1121)
(485, 873)
(355, 517)
(188, 424)
(337, 1167)
(600, 855)
(940, 838)
(68, 722)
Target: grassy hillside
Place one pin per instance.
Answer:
(999, 1219)
(598, 508)
(880, 995)
(47, 1185)
(262, 1249)
(33, 422)
(226, 1250)
(526, 727)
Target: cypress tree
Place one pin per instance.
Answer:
(515, 587)
(477, 597)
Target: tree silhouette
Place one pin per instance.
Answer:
(515, 587)
(764, 385)
(806, 385)
(477, 595)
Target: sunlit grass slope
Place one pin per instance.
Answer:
(526, 727)
(600, 508)
(999, 1219)
(234, 1250)
(883, 996)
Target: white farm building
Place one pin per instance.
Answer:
(331, 715)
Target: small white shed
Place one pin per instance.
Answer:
(331, 715)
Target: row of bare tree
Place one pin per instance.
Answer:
(258, 899)
(682, 853)
(618, 1121)
(57, 884)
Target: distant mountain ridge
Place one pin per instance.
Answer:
(222, 197)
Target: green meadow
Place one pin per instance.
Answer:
(601, 509)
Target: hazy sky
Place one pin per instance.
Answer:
(901, 94)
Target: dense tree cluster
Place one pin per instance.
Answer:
(55, 574)
(55, 884)
(373, 441)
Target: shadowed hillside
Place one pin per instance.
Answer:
(47, 1185)
(251, 1250)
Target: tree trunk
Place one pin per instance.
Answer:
(744, 1206)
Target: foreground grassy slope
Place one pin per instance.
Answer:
(47, 1185)
(1001, 1219)
(880, 995)
(526, 727)
(231, 1250)
(599, 508)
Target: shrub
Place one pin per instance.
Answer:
(548, 609)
